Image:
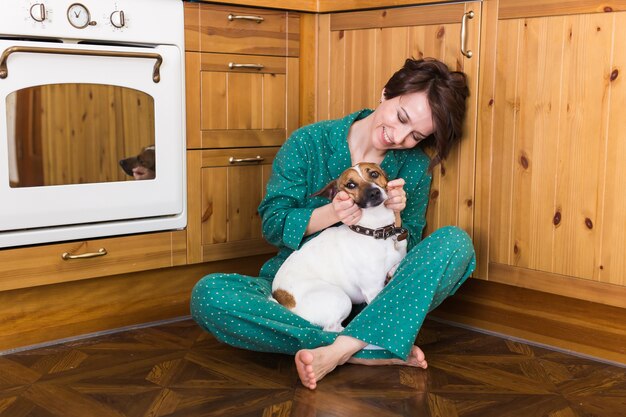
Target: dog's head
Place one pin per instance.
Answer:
(142, 166)
(365, 182)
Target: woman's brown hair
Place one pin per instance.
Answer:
(447, 92)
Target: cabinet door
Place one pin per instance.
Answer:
(558, 210)
(358, 53)
(226, 187)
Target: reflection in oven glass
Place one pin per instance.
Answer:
(79, 133)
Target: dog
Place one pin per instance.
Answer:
(142, 166)
(344, 265)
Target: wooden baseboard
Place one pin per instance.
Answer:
(30, 316)
(570, 324)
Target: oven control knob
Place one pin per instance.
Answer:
(117, 19)
(38, 12)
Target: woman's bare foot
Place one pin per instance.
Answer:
(314, 364)
(416, 358)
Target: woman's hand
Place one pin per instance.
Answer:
(396, 196)
(346, 209)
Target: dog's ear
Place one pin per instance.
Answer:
(330, 191)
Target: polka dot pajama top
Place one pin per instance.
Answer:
(237, 309)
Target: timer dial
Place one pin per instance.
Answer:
(78, 16)
(117, 19)
(38, 12)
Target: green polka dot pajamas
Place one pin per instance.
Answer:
(238, 310)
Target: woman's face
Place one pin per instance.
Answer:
(402, 122)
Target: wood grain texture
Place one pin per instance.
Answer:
(400, 17)
(43, 265)
(192, 26)
(576, 325)
(49, 312)
(193, 98)
(177, 369)
(568, 286)
(612, 268)
(553, 201)
(242, 36)
(223, 201)
(485, 134)
(513, 9)
(242, 138)
(325, 6)
(194, 206)
(309, 68)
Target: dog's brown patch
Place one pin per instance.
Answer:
(284, 298)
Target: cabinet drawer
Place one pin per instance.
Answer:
(241, 30)
(42, 265)
(240, 100)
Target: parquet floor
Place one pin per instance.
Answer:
(178, 370)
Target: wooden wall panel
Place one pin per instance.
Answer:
(555, 205)
(613, 260)
(539, 69)
(360, 66)
(582, 143)
(506, 109)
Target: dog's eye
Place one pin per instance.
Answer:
(351, 185)
(374, 174)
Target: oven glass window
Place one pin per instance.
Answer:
(79, 133)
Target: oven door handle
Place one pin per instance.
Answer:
(4, 71)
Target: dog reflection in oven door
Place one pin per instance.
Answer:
(141, 166)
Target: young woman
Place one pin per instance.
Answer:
(422, 104)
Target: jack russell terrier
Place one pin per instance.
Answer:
(142, 166)
(344, 265)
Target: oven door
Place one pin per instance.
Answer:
(90, 134)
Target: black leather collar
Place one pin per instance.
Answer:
(382, 232)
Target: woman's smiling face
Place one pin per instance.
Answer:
(402, 122)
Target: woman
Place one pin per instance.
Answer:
(422, 103)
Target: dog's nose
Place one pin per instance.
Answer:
(373, 194)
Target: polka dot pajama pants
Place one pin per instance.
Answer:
(238, 311)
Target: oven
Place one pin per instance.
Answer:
(92, 127)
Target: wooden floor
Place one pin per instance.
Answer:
(178, 370)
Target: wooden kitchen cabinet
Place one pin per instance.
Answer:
(223, 219)
(359, 51)
(242, 75)
(72, 261)
(558, 211)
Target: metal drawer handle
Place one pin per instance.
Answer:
(4, 71)
(464, 51)
(257, 19)
(233, 160)
(67, 256)
(232, 65)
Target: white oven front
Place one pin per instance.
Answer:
(91, 140)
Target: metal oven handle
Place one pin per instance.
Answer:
(4, 71)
